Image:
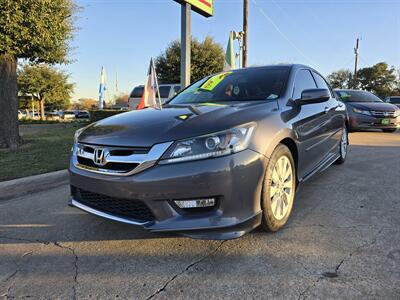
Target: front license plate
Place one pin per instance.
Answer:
(385, 121)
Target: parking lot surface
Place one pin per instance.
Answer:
(342, 241)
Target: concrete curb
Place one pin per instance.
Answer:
(32, 184)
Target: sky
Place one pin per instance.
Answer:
(122, 36)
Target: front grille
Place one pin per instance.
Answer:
(133, 209)
(121, 167)
(86, 153)
(383, 114)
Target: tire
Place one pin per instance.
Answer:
(277, 202)
(343, 147)
(389, 130)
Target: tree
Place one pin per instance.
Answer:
(46, 84)
(35, 30)
(86, 103)
(341, 79)
(207, 58)
(379, 79)
(122, 100)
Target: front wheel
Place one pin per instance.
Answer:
(279, 189)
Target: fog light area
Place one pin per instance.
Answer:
(196, 203)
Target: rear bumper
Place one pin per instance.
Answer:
(235, 181)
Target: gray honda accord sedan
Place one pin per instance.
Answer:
(221, 158)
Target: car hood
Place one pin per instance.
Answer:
(150, 126)
(377, 106)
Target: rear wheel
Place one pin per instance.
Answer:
(343, 147)
(389, 130)
(279, 189)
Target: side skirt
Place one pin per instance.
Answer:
(322, 166)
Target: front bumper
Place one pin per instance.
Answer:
(369, 122)
(234, 180)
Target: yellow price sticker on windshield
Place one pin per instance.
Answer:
(213, 81)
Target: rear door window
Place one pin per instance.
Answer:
(321, 83)
(303, 81)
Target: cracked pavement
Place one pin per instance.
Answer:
(342, 241)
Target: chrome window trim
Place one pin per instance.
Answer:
(106, 215)
(144, 161)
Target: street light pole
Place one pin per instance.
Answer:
(185, 44)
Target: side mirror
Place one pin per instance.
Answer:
(314, 96)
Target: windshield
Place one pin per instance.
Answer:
(394, 100)
(357, 96)
(242, 85)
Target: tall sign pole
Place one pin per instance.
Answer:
(202, 7)
(356, 58)
(185, 44)
(246, 32)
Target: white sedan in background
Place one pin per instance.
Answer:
(167, 91)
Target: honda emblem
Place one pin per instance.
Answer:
(100, 156)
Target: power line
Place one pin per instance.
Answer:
(282, 33)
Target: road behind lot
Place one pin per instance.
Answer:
(342, 241)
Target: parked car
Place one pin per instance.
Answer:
(21, 114)
(218, 160)
(367, 111)
(167, 91)
(135, 96)
(34, 115)
(82, 114)
(393, 100)
(52, 115)
(68, 115)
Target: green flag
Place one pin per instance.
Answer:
(230, 54)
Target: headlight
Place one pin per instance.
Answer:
(397, 113)
(363, 112)
(211, 145)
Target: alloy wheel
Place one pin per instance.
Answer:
(343, 144)
(281, 188)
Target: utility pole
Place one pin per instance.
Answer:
(116, 84)
(246, 31)
(356, 58)
(186, 40)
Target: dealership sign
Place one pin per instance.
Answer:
(203, 7)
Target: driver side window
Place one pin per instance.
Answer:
(303, 81)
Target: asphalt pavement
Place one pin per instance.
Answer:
(342, 241)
